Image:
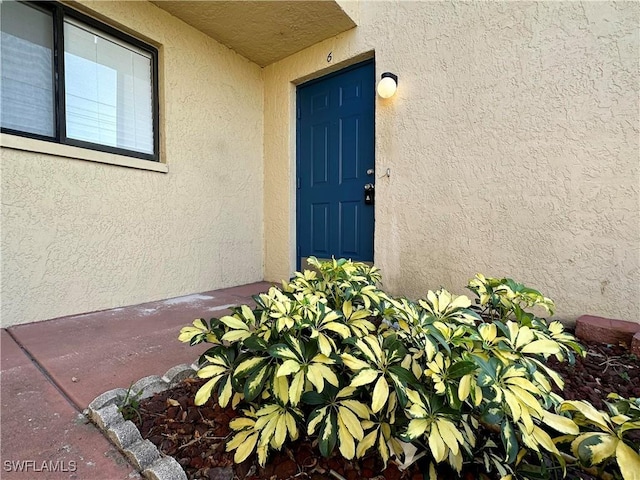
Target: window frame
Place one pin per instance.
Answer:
(59, 12)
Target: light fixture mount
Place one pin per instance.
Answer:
(390, 75)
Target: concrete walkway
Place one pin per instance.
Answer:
(51, 370)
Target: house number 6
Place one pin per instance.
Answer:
(329, 57)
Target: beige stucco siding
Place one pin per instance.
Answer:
(512, 145)
(79, 236)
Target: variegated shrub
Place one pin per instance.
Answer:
(330, 355)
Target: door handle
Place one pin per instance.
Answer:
(369, 187)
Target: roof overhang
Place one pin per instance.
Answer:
(263, 31)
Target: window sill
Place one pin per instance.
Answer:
(39, 146)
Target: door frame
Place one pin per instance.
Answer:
(318, 77)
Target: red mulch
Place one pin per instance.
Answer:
(195, 436)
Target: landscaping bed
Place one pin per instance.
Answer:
(196, 436)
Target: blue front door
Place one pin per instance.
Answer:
(335, 162)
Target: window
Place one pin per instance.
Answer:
(70, 79)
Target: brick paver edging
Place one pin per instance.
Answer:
(143, 455)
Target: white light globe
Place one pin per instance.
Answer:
(387, 87)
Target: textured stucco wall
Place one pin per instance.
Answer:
(79, 236)
(512, 145)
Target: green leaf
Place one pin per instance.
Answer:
(255, 383)
(592, 447)
(493, 414)
(255, 342)
(247, 366)
(315, 418)
(328, 435)
(533, 472)
(403, 374)
(314, 398)
(283, 352)
(509, 441)
(460, 369)
(485, 380)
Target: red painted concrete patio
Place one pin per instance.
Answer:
(51, 370)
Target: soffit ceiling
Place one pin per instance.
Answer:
(263, 31)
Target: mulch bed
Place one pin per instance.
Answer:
(196, 436)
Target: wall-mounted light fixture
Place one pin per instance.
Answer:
(387, 85)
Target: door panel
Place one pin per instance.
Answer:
(335, 150)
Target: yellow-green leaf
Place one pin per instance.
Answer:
(436, 444)
(247, 365)
(542, 347)
(544, 439)
(313, 423)
(240, 423)
(211, 370)
(347, 308)
(238, 439)
(353, 363)
(204, 392)
(291, 426)
(287, 368)
(247, 313)
(383, 449)
(235, 336)
(339, 328)
(514, 405)
(351, 422)
(324, 344)
(358, 408)
(450, 434)
(524, 384)
(321, 358)
(374, 345)
(245, 448)
(588, 411)
(432, 472)
(226, 393)
(380, 395)
(364, 377)
(560, 423)
(281, 389)
(525, 336)
(465, 387)
(281, 432)
(628, 461)
(297, 385)
(367, 442)
(525, 398)
(235, 323)
(347, 444)
(346, 392)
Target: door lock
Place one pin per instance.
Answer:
(369, 191)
